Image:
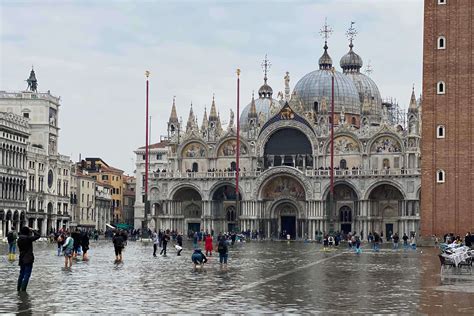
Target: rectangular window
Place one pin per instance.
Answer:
(396, 162)
(442, 1)
(105, 177)
(26, 115)
(159, 157)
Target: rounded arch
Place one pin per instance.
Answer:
(216, 187)
(193, 148)
(180, 189)
(384, 143)
(344, 143)
(340, 184)
(275, 207)
(380, 184)
(266, 133)
(282, 186)
(280, 171)
(220, 151)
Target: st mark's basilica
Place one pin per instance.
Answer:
(284, 179)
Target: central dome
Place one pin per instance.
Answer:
(316, 86)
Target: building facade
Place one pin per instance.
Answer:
(87, 218)
(102, 172)
(285, 158)
(47, 190)
(448, 136)
(103, 205)
(158, 162)
(14, 133)
(129, 185)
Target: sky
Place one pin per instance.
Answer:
(93, 54)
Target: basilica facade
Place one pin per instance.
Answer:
(285, 175)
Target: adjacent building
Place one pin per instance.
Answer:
(103, 205)
(129, 186)
(14, 133)
(102, 172)
(158, 163)
(47, 187)
(285, 146)
(448, 134)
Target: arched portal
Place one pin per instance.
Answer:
(287, 217)
(342, 209)
(224, 208)
(288, 147)
(187, 201)
(386, 205)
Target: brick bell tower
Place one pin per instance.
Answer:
(447, 190)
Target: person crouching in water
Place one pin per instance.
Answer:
(25, 245)
(198, 258)
(68, 249)
(208, 245)
(119, 244)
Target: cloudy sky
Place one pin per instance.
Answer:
(94, 54)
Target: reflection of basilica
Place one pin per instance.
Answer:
(285, 159)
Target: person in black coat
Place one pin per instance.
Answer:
(25, 245)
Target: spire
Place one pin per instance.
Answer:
(351, 62)
(253, 108)
(219, 125)
(413, 107)
(213, 113)
(32, 82)
(191, 120)
(173, 116)
(325, 62)
(205, 122)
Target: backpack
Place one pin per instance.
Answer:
(10, 237)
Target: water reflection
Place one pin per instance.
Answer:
(261, 277)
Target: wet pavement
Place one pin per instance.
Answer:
(261, 277)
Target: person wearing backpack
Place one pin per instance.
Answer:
(11, 238)
(68, 249)
(119, 244)
(223, 251)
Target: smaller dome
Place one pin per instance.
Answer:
(265, 91)
(351, 62)
(325, 61)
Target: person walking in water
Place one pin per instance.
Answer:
(223, 251)
(27, 258)
(198, 258)
(119, 244)
(68, 249)
(208, 245)
(156, 242)
(12, 236)
(179, 241)
(164, 243)
(85, 246)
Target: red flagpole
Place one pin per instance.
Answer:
(147, 74)
(237, 158)
(332, 132)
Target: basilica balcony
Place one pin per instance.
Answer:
(318, 173)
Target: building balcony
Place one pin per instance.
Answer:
(318, 173)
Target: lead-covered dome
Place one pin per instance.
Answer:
(263, 110)
(316, 86)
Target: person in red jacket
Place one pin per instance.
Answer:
(208, 245)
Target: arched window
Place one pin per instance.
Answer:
(440, 176)
(195, 167)
(442, 1)
(316, 107)
(353, 121)
(343, 164)
(386, 163)
(233, 166)
(441, 87)
(441, 42)
(440, 131)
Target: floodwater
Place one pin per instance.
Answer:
(261, 277)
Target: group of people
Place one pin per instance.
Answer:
(162, 238)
